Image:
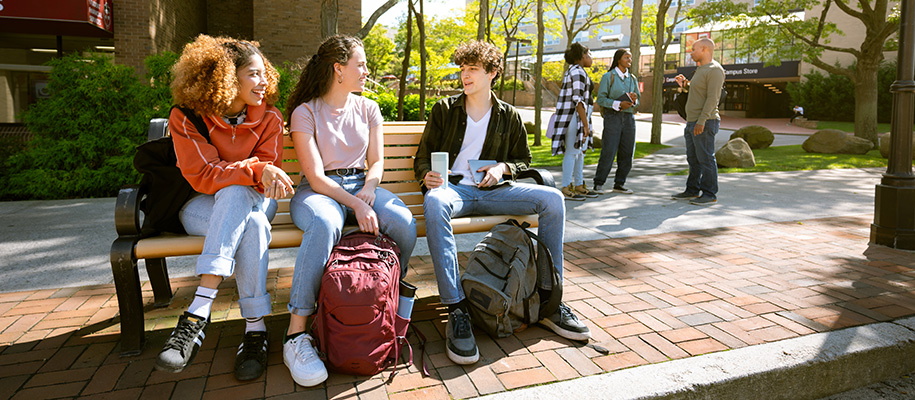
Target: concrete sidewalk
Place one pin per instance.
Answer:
(772, 293)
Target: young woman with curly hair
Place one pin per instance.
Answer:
(339, 142)
(231, 86)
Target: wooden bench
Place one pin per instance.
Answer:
(401, 141)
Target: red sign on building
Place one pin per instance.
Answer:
(58, 17)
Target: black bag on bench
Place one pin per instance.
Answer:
(166, 189)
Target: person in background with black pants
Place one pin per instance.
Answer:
(617, 96)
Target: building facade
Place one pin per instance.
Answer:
(288, 31)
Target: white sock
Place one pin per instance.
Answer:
(255, 325)
(203, 302)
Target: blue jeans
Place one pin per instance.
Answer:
(619, 143)
(441, 205)
(573, 160)
(700, 155)
(236, 225)
(322, 219)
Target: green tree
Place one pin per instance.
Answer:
(662, 36)
(570, 10)
(379, 50)
(771, 32)
(509, 15)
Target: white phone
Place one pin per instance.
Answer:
(440, 165)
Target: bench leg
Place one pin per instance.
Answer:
(130, 298)
(158, 279)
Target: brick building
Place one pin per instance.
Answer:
(288, 30)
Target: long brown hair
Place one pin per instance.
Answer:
(318, 74)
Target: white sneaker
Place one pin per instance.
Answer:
(301, 358)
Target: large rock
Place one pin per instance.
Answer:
(736, 153)
(886, 141)
(834, 141)
(758, 137)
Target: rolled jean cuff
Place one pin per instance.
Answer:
(302, 312)
(453, 300)
(214, 264)
(255, 307)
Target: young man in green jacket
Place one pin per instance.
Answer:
(475, 125)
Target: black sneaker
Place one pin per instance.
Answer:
(251, 359)
(684, 196)
(459, 341)
(621, 189)
(182, 346)
(704, 201)
(566, 324)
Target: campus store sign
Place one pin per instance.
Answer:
(788, 69)
(93, 18)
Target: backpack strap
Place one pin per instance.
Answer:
(544, 261)
(196, 120)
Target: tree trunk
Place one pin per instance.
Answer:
(635, 36)
(538, 76)
(657, 76)
(421, 30)
(482, 21)
(406, 64)
(866, 98)
(374, 17)
(329, 12)
(504, 70)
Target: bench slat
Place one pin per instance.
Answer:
(285, 236)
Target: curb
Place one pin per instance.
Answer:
(807, 367)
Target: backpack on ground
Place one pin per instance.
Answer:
(356, 325)
(502, 278)
(166, 189)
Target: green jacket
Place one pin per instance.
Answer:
(607, 93)
(506, 137)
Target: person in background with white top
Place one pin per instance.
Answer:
(339, 141)
(475, 125)
(798, 112)
(619, 123)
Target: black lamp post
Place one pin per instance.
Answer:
(894, 209)
(518, 43)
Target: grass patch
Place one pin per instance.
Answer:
(542, 156)
(849, 126)
(794, 158)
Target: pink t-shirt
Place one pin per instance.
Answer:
(342, 135)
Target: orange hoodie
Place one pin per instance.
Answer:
(237, 155)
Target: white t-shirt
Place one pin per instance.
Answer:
(342, 135)
(474, 137)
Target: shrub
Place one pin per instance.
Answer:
(831, 97)
(85, 134)
(387, 102)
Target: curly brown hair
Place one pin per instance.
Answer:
(480, 53)
(205, 75)
(318, 74)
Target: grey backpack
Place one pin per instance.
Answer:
(502, 277)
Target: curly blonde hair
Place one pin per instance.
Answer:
(205, 75)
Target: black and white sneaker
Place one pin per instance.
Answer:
(684, 196)
(251, 359)
(183, 344)
(459, 340)
(566, 324)
(621, 189)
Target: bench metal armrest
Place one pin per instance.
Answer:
(541, 176)
(127, 211)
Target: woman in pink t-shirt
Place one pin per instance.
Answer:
(339, 141)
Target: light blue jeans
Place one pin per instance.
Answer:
(322, 219)
(441, 205)
(573, 160)
(236, 225)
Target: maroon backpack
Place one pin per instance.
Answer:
(356, 327)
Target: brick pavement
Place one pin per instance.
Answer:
(647, 299)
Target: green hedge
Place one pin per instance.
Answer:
(387, 102)
(830, 97)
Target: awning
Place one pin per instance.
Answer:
(93, 18)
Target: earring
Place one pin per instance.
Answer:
(339, 78)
